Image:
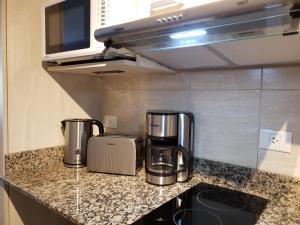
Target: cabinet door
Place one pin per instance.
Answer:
(158, 7)
(118, 12)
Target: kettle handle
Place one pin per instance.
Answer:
(63, 124)
(99, 125)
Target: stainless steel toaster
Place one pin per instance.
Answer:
(115, 154)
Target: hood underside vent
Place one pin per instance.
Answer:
(211, 30)
(215, 29)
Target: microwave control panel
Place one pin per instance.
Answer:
(102, 12)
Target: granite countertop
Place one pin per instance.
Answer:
(93, 198)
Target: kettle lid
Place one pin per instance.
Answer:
(77, 120)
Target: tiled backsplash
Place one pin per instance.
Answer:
(230, 106)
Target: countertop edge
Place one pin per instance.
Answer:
(36, 199)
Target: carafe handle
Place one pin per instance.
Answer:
(99, 125)
(185, 159)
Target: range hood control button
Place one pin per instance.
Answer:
(164, 20)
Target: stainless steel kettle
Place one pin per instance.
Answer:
(76, 133)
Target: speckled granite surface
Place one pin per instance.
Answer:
(92, 199)
(33, 160)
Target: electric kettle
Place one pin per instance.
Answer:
(76, 133)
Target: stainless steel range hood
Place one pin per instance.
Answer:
(217, 34)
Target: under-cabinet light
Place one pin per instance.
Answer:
(188, 34)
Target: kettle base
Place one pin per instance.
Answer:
(74, 165)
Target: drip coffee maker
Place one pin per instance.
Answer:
(169, 147)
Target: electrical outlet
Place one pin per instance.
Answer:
(110, 121)
(275, 140)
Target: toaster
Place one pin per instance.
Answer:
(117, 154)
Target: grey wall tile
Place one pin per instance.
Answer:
(173, 100)
(162, 100)
(178, 81)
(124, 105)
(281, 78)
(130, 106)
(121, 82)
(281, 163)
(226, 79)
(164, 82)
(226, 105)
(280, 110)
(226, 128)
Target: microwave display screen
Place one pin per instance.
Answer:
(67, 26)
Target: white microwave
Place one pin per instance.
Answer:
(68, 26)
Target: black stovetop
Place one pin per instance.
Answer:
(206, 204)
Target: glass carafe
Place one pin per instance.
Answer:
(162, 159)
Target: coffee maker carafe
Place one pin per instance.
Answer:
(169, 147)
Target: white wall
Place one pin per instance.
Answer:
(37, 101)
(1, 87)
(3, 112)
(1, 115)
